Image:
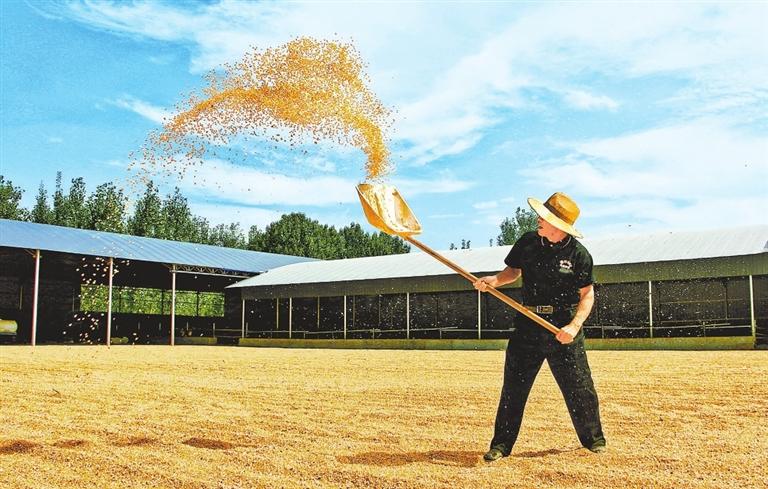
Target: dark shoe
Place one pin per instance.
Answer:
(598, 449)
(493, 454)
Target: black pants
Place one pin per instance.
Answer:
(528, 347)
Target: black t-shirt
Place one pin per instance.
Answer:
(553, 273)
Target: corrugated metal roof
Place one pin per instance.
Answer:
(28, 235)
(607, 251)
(681, 245)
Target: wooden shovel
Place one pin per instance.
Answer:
(386, 210)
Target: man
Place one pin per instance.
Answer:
(557, 285)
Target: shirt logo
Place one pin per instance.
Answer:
(566, 266)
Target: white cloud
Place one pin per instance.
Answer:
(160, 60)
(55, 140)
(253, 187)
(154, 113)
(543, 48)
(446, 216)
(247, 216)
(493, 212)
(486, 205)
(452, 79)
(587, 101)
(320, 163)
(693, 175)
(145, 19)
(431, 149)
(615, 218)
(440, 185)
(684, 161)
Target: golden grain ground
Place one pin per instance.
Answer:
(226, 417)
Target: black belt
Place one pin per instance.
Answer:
(546, 309)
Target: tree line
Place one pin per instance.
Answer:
(170, 217)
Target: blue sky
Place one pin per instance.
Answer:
(652, 116)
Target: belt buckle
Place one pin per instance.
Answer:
(545, 309)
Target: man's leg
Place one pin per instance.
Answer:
(571, 371)
(523, 361)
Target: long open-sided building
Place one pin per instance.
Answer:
(710, 285)
(62, 284)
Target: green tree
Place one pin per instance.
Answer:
(359, 243)
(228, 236)
(384, 244)
(59, 203)
(465, 245)
(71, 210)
(255, 239)
(106, 209)
(41, 212)
(178, 223)
(356, 241)
(512, 229)
(10, 201)
(296, 234)
(202, 230)
(147, 219)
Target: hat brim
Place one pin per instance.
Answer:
(547, 215)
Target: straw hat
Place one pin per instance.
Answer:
(559, 210)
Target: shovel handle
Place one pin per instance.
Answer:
(491, 290)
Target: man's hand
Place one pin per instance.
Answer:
(586, 301)
(483, 283)
(567, 333)
(504, 277)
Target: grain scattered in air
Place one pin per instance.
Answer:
(305, 90)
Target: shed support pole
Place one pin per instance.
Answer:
(35, 292)
(752, 308)
(290, 317)
(109, 302)
(479, 316)
(173, 305)
(242, 334)
(345, 317)
(407, 315)
(277, 314)
(650, 309)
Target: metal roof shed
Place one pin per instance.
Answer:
(639, 276)
(144, 261)
(689, 254)
(44, 237)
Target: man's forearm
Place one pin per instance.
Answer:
(507, 276)
(586, 302)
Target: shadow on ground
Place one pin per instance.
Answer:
(543, 453)
(17, 446)
(394, 459)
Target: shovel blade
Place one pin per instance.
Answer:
(386, 210)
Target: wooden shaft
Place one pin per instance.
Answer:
(491, 290)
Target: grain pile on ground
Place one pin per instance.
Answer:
(223, 417)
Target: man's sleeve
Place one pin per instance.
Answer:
(514, 258)
(584, 275)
